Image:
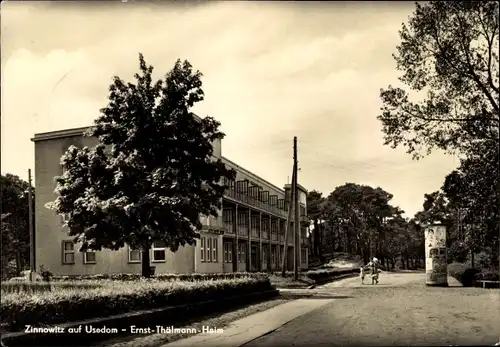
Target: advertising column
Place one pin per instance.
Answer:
(436, 266)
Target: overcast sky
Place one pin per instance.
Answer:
(271, 71)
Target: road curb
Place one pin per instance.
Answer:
(122, 323)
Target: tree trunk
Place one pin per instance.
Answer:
(472, 259)
(18, 263)
(320, 242)
(348, 245)
(145, 271)
(316, 243)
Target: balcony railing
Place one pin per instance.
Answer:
(255, 202)
(274, 236)
(282, 237)
(304, 219)
(211, 222)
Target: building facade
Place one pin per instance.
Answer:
(248, 234)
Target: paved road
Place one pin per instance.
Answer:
(400, 310)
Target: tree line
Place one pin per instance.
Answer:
(448, 55)
(14, 225)
(360, 220)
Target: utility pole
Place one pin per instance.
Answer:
(287, 227)
(30, 225)
(296, 223)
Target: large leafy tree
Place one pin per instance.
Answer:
(448, 51)
(449, 55)
(15, 222)
(152, 174)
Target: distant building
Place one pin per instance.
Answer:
(248, 234)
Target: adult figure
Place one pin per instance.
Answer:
(374, 265)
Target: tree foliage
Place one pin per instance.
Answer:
(449, 50)
(15, 222)
(468, 203)
(152, 174)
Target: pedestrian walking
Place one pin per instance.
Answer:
(374, 270)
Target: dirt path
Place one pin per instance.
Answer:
(401, 310)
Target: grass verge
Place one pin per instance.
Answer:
(289, 282)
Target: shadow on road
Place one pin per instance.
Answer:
(293, 296)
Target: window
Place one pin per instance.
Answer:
(242, 253)
(68, 248)
(158, 251)
(228, 252)
(202, 248)
(264, 254)
(134, 255)
(303, 255)
(302, 211)
(208, 257)
(227, 215)
(254, 222)
(89, 258)
(214, 250)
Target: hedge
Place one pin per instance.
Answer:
(36, 287)
(164, 277)
(19, 309)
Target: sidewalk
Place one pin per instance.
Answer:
(249, 328)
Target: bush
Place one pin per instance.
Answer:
(45, 274)
(463, 273)
(457, 252)
(62, 305)
(164, 277)
(488, 275)
(326, 274)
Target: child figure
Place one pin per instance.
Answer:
(362, 274)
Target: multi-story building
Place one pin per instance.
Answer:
(248, 234)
